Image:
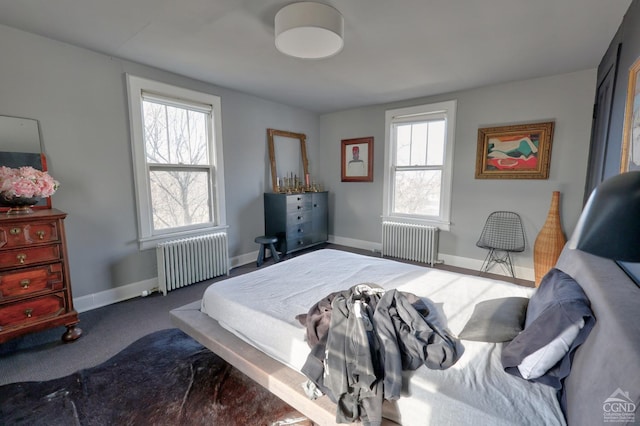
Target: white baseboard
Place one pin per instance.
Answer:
(360, 244)
(129, 291)
(114, 295)
(244, 259)
(521, 272)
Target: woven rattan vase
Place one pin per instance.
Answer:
(549, 242)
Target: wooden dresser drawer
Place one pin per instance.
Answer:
(29, 256)
(32, 310)
(31, 280)
(27, 234)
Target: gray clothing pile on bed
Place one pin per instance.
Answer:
(362, 339)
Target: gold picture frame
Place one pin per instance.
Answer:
(272, 134)
(630, 158)
(521, 151)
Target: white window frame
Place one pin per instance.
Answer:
(446, 109)
(147, 237)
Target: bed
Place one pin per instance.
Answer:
(249, 320)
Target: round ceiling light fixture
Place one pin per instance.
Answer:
(309, 30)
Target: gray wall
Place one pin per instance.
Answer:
(567, 99)
(79, 97)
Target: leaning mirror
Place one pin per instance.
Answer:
(21, 145)
(19, 135)
(288, 156)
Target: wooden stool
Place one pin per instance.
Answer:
(267, 242)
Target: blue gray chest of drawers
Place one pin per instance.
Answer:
(298, 220)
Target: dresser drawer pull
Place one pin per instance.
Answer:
(25, 283)
(28, 312)
(15, 231)
(40, 234)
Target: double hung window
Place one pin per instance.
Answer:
(177, 151)
(418, 163)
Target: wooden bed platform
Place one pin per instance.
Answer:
(276, 377)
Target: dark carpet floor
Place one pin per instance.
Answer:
(164, 378)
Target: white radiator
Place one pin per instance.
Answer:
(418, 243)
(191, 260)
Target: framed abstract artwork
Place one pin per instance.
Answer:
(631, 135)
(357, 160)
(521, 151)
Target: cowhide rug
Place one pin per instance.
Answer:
(165, 378)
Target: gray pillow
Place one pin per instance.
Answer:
(556, 305)
(496, 320)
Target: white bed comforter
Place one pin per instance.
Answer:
(260, 307)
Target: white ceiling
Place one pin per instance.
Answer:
(394, 49)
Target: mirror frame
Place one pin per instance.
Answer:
(271, 133)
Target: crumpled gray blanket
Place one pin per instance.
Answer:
(362, 339)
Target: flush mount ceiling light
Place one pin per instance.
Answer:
(309, 30)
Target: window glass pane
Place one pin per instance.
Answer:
(419, 144)
(403, 145)
(417, 192)
(435, 150)
(179, 198)
(198, 138)
(175, 135)
(155, 133)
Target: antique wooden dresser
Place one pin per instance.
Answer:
(35, 290)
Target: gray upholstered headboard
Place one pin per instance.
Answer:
(609, 360)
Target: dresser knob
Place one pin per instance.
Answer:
(25, 283)
(21, 258)
(40, 234)
(28, 312)
(14, 231)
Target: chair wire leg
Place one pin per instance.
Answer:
(487, 261)
(510, 264)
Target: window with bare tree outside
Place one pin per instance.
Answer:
(177, 160)
(418, 160)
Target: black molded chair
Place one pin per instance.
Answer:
(502, 235)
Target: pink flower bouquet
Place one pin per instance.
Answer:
(26, 182)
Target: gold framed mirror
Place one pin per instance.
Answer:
(286, 156)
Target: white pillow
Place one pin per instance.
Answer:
(539, 362)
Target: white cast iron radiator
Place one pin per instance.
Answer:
(191, 260)
(418, 243)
